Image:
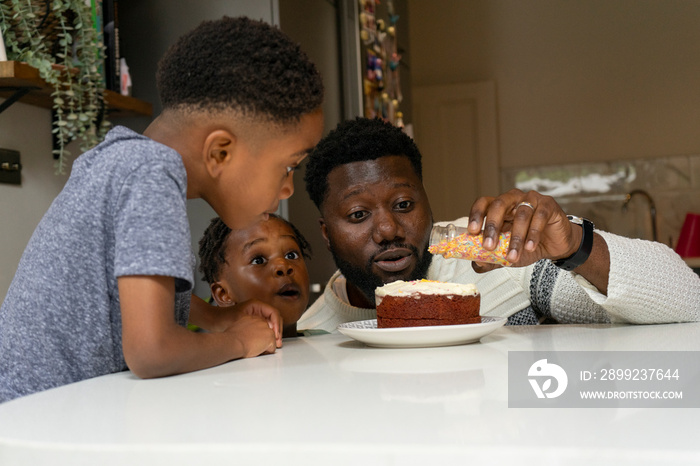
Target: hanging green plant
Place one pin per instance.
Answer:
(58, 38)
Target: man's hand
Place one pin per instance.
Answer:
(539, 229)
(538, 226)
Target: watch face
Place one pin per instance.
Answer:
(575, 219)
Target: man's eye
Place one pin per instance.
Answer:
(358, 215)
(291, 169)
(403, 205)
(292, 255)
(258, 260)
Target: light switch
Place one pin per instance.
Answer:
(10, 167)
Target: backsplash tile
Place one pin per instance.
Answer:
(599, 190)
(695, 171)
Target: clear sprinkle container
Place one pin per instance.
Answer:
(455, 242)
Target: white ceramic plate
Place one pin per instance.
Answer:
(367, 332)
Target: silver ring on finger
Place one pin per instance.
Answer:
(526, 204)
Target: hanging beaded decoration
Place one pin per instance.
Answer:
(381, 84)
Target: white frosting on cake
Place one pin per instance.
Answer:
(418, 287)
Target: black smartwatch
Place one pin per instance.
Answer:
(584, 250)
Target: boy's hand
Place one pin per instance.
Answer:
(271, 315)
(219, 319)
(155, 345)
(254, 335)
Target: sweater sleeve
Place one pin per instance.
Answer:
(558, 294)
(649, 283)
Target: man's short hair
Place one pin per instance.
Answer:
(356, 140)
(212, 247)
(243, 65)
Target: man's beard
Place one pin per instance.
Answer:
(367, 282)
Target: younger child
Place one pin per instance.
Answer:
(264, 262)
(105, 281)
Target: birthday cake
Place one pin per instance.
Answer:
(426, 303)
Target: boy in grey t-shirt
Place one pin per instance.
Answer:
(105, 281)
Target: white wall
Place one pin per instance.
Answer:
(584, 80)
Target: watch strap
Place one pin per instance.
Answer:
(584, 250)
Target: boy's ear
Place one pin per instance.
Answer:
(218, 150)
(222, 297)
(324, 232)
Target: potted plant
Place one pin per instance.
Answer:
(59, 39)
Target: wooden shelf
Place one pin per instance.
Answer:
(16, 75)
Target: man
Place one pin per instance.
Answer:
(366, 179)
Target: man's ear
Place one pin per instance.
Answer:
(324, 232)
(218, 150)
(221, 296)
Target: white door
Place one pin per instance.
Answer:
(455, 127)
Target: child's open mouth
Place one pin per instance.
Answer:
(290, 290)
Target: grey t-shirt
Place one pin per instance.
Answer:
(121, 212)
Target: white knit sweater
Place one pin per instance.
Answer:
(648, 283)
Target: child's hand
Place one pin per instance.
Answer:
(253, 334)
(257, 308)
(219, 319)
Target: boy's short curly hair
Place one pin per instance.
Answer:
(356, 140)
(212, 247)
(241, 64)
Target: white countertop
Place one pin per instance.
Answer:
(331, 400)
